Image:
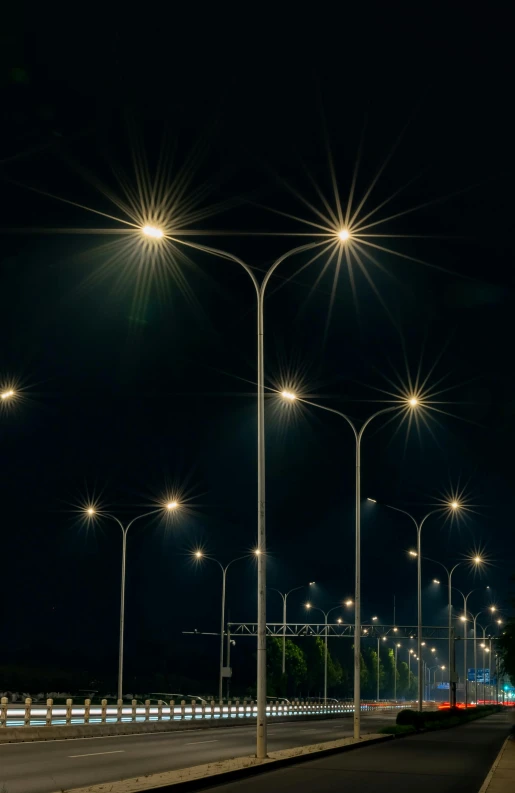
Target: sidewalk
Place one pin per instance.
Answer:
(456, 760)
(501, 778)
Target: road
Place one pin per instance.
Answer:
(446, 761)
(47, 766)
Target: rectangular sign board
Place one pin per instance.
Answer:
(483, 675)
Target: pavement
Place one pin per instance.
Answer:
(47, 766)
(501, 778)
(456, 760)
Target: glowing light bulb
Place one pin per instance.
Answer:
(343, 235)
(172, 505)
(152, 231)
(288, 395)
(7, 394)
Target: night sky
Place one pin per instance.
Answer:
(138, 383)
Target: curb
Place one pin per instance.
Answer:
(219, 777)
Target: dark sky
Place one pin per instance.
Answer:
(131, 390)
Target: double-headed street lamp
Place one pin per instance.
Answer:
(474, 619)
(284, 598)
(92, 513)
(201, 555)
(340, 237)
(450, 506)
(310, 607)
(409, 403)
(9, 393)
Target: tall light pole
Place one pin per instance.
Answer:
(309, 606)
(486, 650)
(411, 652)
(463, 619)
(201, 555)
(378, 673)
(474, 620)
(451, 506)
(284, 597)
(340, 236)
(409, 403)
(476, 560)
(93, 512)
(395, 674)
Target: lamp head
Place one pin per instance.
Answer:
(348, 602)
(152, 231)
(171, 505)
(413, 553)
(289, 395)
(9, 394)
(343, 235)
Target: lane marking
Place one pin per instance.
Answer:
(95, 754)
(195, 743)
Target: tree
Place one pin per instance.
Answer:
(403, 680)
(280, 685)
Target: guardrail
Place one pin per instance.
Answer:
(38, 715)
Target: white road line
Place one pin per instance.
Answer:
(195, 743)
(95, 754)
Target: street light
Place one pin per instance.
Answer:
(9, 394)
(259, 291)
(474, 619)
(92, 512)
(309, 606)
(452, 505)
(284, 596)
(152, 231)
(200, 555)
(477, 560)
(408, 403)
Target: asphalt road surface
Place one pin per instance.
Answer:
(48, 766)
(446, 761)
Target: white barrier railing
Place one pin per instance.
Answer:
(38, 715)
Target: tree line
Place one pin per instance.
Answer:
(304, 675)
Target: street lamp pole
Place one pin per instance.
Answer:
(452, 658)
(200, 555)
(260, 288)
(465, 637)
(326, 650)
(284, 597)
(91, 512)
(395, 674)
(454, 505)
(358, 435)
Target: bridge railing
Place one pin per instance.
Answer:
(32, 714)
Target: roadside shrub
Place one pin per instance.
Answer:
(448, 717)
